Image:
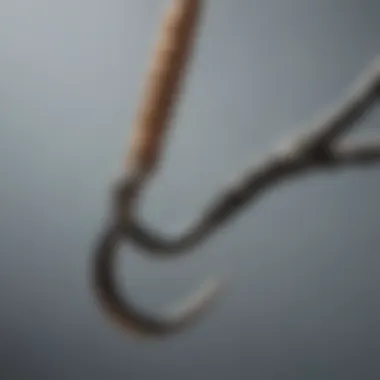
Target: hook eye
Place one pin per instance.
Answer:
(121, 310)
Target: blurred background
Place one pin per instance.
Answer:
(303, 263)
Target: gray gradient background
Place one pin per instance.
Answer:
(303, 297)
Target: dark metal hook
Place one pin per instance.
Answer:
(152, 121)
(319, 149)
(118, 305)
(120, 308)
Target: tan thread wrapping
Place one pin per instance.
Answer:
(163, 82)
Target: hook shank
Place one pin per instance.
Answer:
(162, 88)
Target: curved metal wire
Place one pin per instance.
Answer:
(318, 149)
(122, 310)
(117, 305)
(171, 57)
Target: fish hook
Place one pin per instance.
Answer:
(152, 121)
(318, 149)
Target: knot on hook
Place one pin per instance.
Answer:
(308, 149)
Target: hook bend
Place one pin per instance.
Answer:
(120, 308)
